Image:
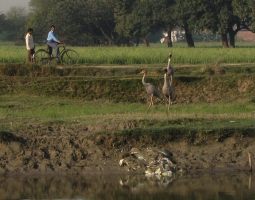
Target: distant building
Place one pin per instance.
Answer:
(246, 36)
(176, 35)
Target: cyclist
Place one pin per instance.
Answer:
(53, 42)
(30, 45)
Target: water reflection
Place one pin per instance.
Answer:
(212, 187)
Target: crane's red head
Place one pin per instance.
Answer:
(143, 71)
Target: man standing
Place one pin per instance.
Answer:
(30, 45)
(53, 42)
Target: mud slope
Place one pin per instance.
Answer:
(58, 148)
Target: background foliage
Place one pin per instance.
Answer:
(128, 22)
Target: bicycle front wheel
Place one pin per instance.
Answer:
(42, 57)
(70, 57)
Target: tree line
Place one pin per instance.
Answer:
(127, 22)
(12, 24)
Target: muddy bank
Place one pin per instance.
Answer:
(76, 149)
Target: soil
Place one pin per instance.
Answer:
(78, 148)
(75, 149)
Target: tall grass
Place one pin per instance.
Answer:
(143, 55)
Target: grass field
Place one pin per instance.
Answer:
(156, 54)
(112, 94)
(16, 110)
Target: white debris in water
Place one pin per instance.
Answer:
(167, 173)
(122, 162)
(158, 171)
(156, 163)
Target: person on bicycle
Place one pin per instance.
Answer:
(30, 45)
(53, 42)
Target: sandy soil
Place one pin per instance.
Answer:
(75, 149)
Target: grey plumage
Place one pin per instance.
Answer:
(168, 89)
(170, 69)
(151, 90)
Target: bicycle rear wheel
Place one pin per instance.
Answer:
(42, 57)
(69, 56)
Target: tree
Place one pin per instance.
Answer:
(123, 19)
(79, 22)
(102, 19)
(232, 15)
(164, 15)
(14, 23)
(186, 17)
(70, 20)
(224, 16)
(2, 22)
(39, 17)
(84, 22)
(3, 26)
(244, 10)
(143, 20)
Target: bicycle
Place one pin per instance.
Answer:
(66, 56)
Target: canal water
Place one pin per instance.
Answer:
(134, 187)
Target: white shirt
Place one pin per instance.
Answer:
(29, 42)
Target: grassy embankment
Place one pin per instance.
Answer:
(114, 100)
(210, 94)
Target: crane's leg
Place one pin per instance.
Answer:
(169, 102)
(173, 96)
(167, 105)
(151, 103)
(166, 101)
(149, 106)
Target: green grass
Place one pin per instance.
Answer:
(24, 108)
(18, 112)
(157, 54)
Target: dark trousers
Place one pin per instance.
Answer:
(30, 55)
(51, 46)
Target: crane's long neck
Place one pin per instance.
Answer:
(166, 80)
(169, 62)
(143, 80)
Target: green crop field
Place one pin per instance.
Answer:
(156, 54)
